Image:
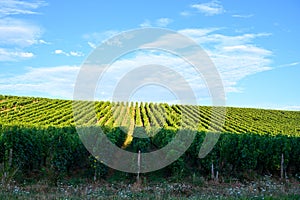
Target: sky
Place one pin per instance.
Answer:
(253, 44)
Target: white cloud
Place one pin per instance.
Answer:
(96, 38)
(17, 34)
(76, 53)
(242, 16)
(25, 54)
(59, 51)
(221, 39)
(162, 22)
(146, 23)
(247, 49)
(43, 42)
(92, 45)
(13, 55)
(210, 8)
(235, 57)
(15, 7)
(71, 53)
(279, 107)
(293, 63)
(289, 64)
(114, 74)
(292, 108)
(49, 81)
(185, 13)
(196, 33)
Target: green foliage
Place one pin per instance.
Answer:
(38, 135)
(52, 151)
(99, 170)
(46, 112)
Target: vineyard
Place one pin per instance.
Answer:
(38, 136)
(48, 112)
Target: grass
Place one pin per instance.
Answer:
(264, 189)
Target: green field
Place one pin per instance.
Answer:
(39, 142)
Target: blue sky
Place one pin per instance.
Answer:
(254, 45)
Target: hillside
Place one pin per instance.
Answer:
(52, 112)
(39, 141)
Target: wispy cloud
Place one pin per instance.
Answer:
(76, 53)
(292, 108)
(43, 42)
(242, 16)
(124, 66)
(59, 51)
(251, 49)
(161, 22)
(17, 34)
(218, 38)
(16, 7)
(14, 32)
(146, 23)
(198, 33)
(210, 8)
(13, 55)
(71, 53)
(235, 57)
(94, 39)
(91, 44)
(49, 82)
(185, 13)
(289, 64)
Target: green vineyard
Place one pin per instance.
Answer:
(48, 112)
(38, 136)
